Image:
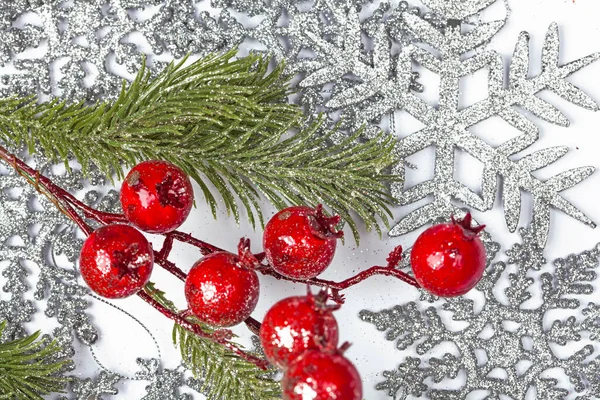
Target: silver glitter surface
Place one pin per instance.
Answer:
(164, 384)
(86, 389)
(29, 235)
(357, 67)
(506, 348)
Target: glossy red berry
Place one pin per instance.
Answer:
(157, 196)
(297, 324)
(321, 375)
(449, 259)
(300, 242)
(116, 261)
(222, 289)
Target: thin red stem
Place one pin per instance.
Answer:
(218, 336)
(169, 266)
(204, 247)
(253, 325)
(345, 284)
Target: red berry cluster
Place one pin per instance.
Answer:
(117, 260)
(299, 334)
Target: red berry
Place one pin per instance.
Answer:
(116, 261)
(222, 289)
(157, 196)
(321, 375)
(297, 324)
(300, 242)
(449, 259)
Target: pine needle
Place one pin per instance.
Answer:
(223, 121)
(28, 368)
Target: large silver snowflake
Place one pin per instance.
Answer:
(506, 348)
(377, 87)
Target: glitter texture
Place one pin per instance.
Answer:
(359, 71)
(517, 345)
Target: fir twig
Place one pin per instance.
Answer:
(28, 368)
(224, 374)
(223, 121)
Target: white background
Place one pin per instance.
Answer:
(122, 340)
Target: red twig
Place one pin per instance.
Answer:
(336, 287)
(169, 266)
(204, 247)
(253, 325)
(67, 203)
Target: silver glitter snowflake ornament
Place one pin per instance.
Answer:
(506, 349)
(164, 384)
(447, 127)
(384, 85)
(85, 389)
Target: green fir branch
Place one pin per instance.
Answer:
(224, 375)
(28, 368)
(224, 121)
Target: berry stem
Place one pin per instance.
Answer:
(169, 266)
(217, 336)
(253, 325)
(345, 284)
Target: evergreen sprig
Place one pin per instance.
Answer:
(223, 121)
(28, 368)
(224, 375)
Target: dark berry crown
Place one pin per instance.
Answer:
(465, 223)
(166, 191)
(319, 301)
(323, 226)
(126, 261)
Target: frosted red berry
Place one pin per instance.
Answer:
(321, 375)
(222, 289)
(295, 325)
(116, 261)
(157, 196)
(300, 242)
(449, 259)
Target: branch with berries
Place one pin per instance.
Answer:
(222, 288)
